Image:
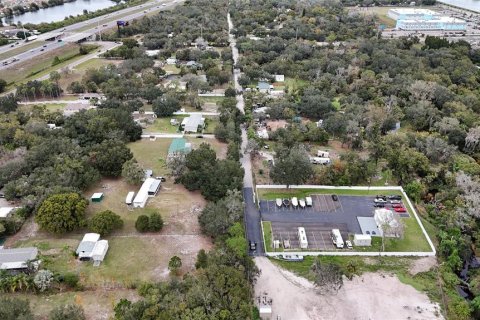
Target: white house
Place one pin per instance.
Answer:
(193, 123)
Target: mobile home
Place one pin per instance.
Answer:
(302, 237)
(319, 160)
(337, 238)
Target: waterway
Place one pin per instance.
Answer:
(58, 13)
(473, 5)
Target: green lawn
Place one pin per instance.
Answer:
(212, 99)
(94, 63)
(170, 68)
(267, 235)
(272, 194)
(162, 125)
(210, 124)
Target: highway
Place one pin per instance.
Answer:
(89, 27)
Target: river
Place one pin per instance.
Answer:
(473, 5)
(58, 13)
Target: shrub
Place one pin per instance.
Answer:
(142, 223)
(155, 222)
(67, 312)
(105, 222)
(43, 280)
(71, 279)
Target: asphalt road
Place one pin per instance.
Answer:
(73, 29)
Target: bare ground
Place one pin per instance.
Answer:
(422, 265)
(370, 296)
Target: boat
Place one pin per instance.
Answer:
(278, 202)
(286, 202)
(301, 202)
(294, 201)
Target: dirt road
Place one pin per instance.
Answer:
(369, 297)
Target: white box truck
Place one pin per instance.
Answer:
(302, 237)
(337, 238)
(319, 160)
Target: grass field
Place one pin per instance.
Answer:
(162, 125)
(212, 99)
(380, 12)
(42, 65)
(267, 235)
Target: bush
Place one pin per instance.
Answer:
(142, 223)
(105, 222)
(43, 280)
(71, 279)
(67, 312)
(14, 309)
(155, 222)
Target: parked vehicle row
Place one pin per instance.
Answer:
(395, 201)
(294, 202)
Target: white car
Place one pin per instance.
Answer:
(278, 202)
(348, 244)
(301, 202)
(380, 200)
(395, 201)
(295, 202)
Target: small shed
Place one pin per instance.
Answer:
(265, 312)
(129, 199)
(97, 197)
(362, 240)
(86, 246)
(99, 252)
(279, 78)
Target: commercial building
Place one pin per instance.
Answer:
(17, 259)
(424, 19)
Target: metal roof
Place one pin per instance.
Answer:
(368, 226)
(17, 258)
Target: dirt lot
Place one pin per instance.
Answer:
(371, 296)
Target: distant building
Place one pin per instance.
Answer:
(91, 248)
(17, 259)
(76, 107)
(178, 147)
(424, 19)
(264, 87)
(193, 123)
(194, 65)
(279, 78)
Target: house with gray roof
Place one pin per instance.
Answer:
(17, 259)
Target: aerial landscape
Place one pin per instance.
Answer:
(232, 159)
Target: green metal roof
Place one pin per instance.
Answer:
(177, 145)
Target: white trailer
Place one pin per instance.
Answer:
(323, 154)
(320, 160)
(308, 201)
(362, 240)
(99, 252)
(337, 238)
(302, 237)
(129, 199)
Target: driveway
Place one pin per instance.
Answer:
(252, 222)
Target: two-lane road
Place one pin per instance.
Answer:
(92, 27)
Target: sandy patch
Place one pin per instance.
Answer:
(371, 296)
(422, 265)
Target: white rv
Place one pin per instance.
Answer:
(337, 238)
(302, 237)
(319, 160)
(323, 154)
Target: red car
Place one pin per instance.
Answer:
(397, 205)
(400, 209)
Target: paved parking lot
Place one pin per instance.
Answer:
(320, 203)
(318, 234)
(324, 210)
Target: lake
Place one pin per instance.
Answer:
(59, 13)
(473, 5)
